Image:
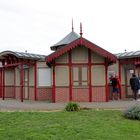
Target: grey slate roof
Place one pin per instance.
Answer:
(66, 40)
(23, 55)
(128, 54)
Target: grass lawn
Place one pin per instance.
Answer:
(83, 125)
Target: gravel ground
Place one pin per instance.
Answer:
(17, 105)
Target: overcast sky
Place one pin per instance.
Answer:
(35, 25)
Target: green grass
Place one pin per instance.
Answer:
(82, 125)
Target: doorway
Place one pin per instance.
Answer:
(26, 84)
(128, 75)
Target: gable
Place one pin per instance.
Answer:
(82, 42)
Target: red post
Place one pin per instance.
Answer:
(21, 81)
(35, 80)
(70, 77)
(120, 79)
(14, 83)
(53, 86)
(3, 84)
(89, 66)
(0, 83)
(106, 81)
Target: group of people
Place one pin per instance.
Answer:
(116, 86)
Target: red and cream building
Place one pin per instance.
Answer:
(127, 63)
(77, 71)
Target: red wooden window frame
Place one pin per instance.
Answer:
(80, 81)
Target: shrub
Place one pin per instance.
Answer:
(71, 106)
(132, 112)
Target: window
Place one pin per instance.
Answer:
(44, 77)
(80, 76)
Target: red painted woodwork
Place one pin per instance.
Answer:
(3, 84)
(0, 82)
(120, 79)
(14, 83)
(70, 76)
(106, 83)
(87, 44)
(35, 79)
(89, 66)
(21, 82)
(53, 86)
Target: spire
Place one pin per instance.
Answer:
(72, 25)
(81, 29)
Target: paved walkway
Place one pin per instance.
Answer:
(16, 105)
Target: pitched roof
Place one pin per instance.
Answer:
(87, 44)
(128, 54)
(66, 40)
(23, 55)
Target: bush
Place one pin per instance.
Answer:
(132, 112)
(71, 106)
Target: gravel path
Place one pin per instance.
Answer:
(16, 105)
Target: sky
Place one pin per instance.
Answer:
(35, 25)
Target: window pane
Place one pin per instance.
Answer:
(44, 77)
(84, 74)
(75, 74)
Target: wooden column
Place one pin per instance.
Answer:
(35, 80)
(14, 82)
(21, 81)
(70, 76)
(106, 80)
(3, 83)
(89, 69)
(53, 86)
(120, 79)
(0, 82)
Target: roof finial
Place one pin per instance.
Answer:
(72, 25)
(81, 29)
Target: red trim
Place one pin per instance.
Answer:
(120, 79)
(53, 86)
(70, 77)
(35, 80)
(89, 66)
(87, 44)
(0, 82)
(14, 83)
(77, 64)
(106, 82)
(97, 63)
(3, 84)
(21, 82)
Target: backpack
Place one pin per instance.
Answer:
(114, 82)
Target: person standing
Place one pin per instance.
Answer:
(115, 87)
(135, 85)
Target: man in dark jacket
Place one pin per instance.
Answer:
(135, 85)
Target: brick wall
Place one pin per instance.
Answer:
(98, 94)
(17, 92)
(80, 94)
(9, 91)
(31, 93)
(62, 94)
(44, 94)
